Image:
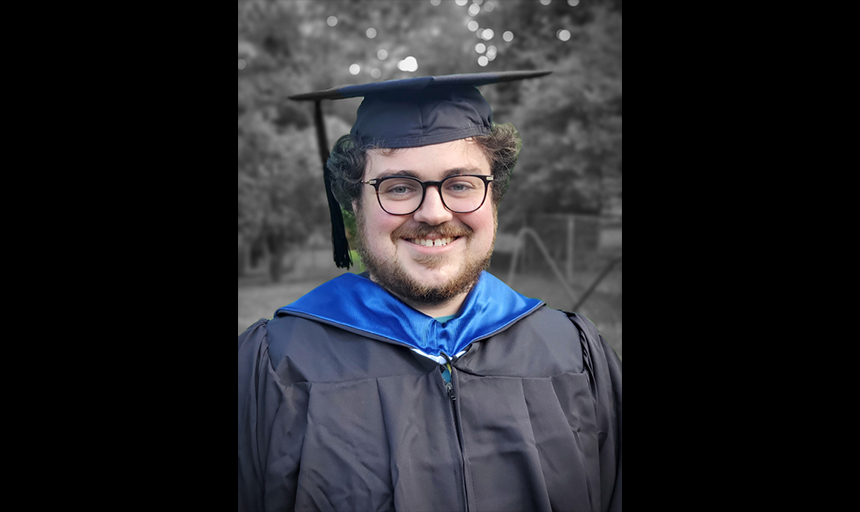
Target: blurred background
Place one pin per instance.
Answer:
(560, 222)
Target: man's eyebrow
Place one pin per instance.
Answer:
(463, 170)
(385, 174)
(413, 174)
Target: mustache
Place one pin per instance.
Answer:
(426, 231)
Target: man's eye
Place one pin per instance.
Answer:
(400, 188)
(461, 186)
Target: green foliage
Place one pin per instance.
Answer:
(358, 266)
(349, 226)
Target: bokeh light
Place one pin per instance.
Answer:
(487, 34)
(545, 2)
(563, 34)
(435, 3)
(242, 63)
(480, 48)
(573, 3)
(508, 36)
(382, 54)
(483, 61)
(354, 69)
(489, 6)
(474, 10)
(409, 64)
(473, 25)
(331, 20)
(491, 52)
(371, 32)
(375, 73)
(461, 3)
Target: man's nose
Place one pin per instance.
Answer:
(432, 210)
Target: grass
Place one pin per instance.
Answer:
(259, 298)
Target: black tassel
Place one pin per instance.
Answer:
(338, 232)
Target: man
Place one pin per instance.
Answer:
(426, 383)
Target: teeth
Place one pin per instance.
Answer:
(433, 243)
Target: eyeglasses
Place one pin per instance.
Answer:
(403, 195)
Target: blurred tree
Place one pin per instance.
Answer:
(570, 120)
(280, 200)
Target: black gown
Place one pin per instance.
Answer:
(338, 410)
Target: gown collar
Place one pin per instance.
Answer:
(355, 303)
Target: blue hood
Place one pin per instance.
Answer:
(358, 304)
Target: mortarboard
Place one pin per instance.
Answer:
(409, 112)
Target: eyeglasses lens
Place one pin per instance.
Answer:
(461, 194)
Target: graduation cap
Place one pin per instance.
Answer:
(405, 113)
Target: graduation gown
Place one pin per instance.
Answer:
(343, 407)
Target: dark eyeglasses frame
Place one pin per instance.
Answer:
(424, 184)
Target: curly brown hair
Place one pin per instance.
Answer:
(347, 162)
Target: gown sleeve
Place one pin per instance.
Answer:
(610, 401)
(605, 369)
(272, 415)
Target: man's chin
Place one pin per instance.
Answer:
(423, 286)
(432, 274)
(430, 264)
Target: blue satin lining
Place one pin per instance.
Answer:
(359, 304)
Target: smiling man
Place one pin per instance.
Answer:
(426, 383)
(427, 244)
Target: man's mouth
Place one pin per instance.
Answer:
(432, 242)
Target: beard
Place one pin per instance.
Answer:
(390, 274)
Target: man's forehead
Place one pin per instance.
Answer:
(428, 162)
